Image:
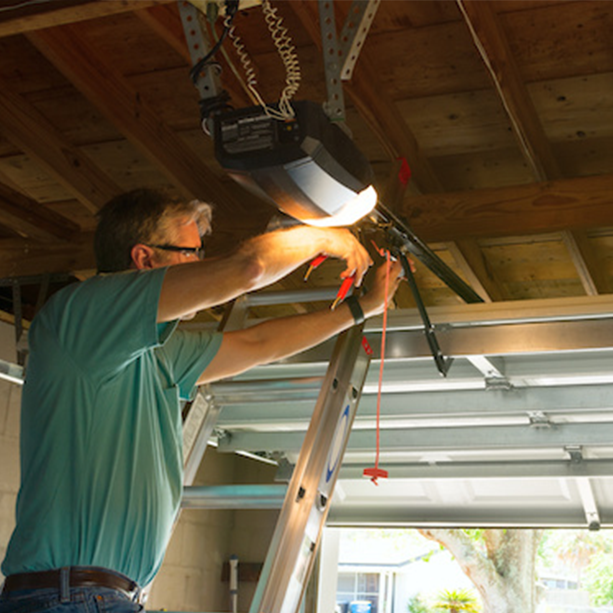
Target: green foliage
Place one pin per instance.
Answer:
(598, 579)
(455, 601)
(395, 539)
(574, 547)
(475, 534)
(417, 605)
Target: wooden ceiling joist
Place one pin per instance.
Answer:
(555, 206)
(37, 15)
(593, 277)
(32, 220)
(469, 259)
(113, 95)
(491, 41)
(22, 124)
(22, 258)
(376, 107)
(167, 25)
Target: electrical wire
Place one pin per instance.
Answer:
(233, 68)
(285, 49)
(287, 53)
(231, 10)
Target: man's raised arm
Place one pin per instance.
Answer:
(279, 338)
(259, 262)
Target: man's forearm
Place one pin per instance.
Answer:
(274, 340)
(259, 262)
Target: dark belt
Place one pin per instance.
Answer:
(79, 576)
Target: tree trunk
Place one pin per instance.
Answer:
(499, 562)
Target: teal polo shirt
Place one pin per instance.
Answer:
(101, 432)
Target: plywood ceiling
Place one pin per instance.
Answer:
(504, 112)
(502, 109)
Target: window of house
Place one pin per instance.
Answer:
(357, 586)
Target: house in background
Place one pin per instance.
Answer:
(385, 568)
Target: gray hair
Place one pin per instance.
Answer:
(142, 216)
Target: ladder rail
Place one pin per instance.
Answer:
(298, 530)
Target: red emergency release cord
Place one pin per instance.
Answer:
(375, 472)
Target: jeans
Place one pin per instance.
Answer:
(79, 600)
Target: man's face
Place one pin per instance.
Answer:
(185, 235)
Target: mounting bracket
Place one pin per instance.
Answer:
(340, 58)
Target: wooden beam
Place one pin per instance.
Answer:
(491, 41)
(556, 206)
(469, 258)
(20, 257)
(31, 219)
(107, 89)
(35, 16)
(25, 127)
(591, 271)
(576, 204)
(376, 107)
(166, 23)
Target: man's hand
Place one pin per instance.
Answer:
(373, 302)
(344, 245)
(259, 262)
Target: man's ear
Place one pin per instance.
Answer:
(142, 256)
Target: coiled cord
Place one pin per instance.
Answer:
(287, 53)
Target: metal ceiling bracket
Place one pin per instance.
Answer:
(498, 384)
(335, 105)
(353, 35)
(340, 58)
(198, 44)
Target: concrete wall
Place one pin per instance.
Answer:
(190, 578)
(252, 530)
(10, 398)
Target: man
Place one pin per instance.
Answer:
(101, 441)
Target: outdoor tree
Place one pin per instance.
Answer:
(417, 605)
(598, 579)
(567, 551)
(501, 563)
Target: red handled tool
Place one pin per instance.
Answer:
(342, 292)
(345, 286)
(314, 264)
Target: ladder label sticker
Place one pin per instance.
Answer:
(337, 444)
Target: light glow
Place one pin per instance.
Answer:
(353, 210)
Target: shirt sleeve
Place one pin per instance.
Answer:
(105, 322)
(187, 354)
